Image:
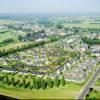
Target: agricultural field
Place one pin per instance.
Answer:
(83, 22)
(8, 37)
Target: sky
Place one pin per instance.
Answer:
(49, 6)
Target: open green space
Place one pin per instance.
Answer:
(93, 95)
(13, 45)
(6, 35)
(97, 83)
(69, 91)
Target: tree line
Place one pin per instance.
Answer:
(35, 82)
(28, 46)
(90, 41)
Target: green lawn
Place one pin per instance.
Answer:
(69, 91)
(94, 95)
(97, 83)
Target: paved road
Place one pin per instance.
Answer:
(23, 71)
(89, 84)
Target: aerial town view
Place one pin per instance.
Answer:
(49, 49)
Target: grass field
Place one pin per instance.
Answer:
(6, 35)
(10, 34)
(13, 45)
(97, 83)
(69, 91)
(94, 95)
(84, 22)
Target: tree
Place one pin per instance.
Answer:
(27, 85)
(24, 83)
(20, 38)
(7, 80)
(43, 84)
(34, 82)
(8, 40)
(28, 36)
(36, 85)
(57, 82)
(90, 41)
(62, 81)
(76, 31)
(12, 81)
(91, 89)
(87, 96)
(39, 82)
(50, 82)
(18, 82)
(4, 81)
(2, 78)
(42, 31)
(59, 26)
